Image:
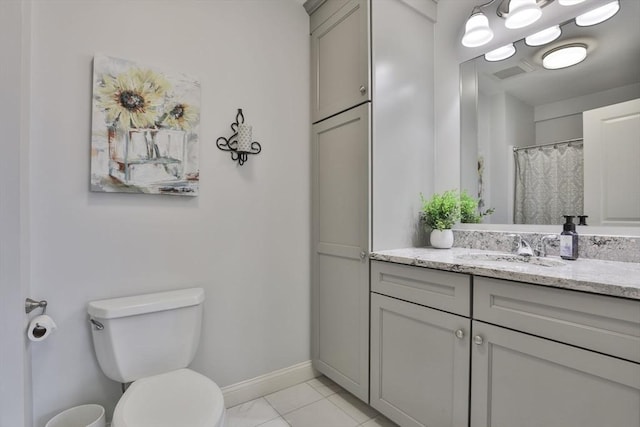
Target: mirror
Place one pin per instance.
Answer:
(516, 103)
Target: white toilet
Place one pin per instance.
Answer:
(150, 340)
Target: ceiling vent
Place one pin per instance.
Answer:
(521, 68)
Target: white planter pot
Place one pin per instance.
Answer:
(442, 239)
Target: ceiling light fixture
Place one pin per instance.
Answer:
(516, 13)
(564, 56)
(598, 15)
(522, 13)
(500, 53)
(477, 31)
(569, 2)
(543, 37)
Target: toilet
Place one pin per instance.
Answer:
(148, 341)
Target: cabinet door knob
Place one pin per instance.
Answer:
(459, 334)
(363, 90)
(363, 255)
(478, 340)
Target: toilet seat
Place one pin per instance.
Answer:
(178, 398)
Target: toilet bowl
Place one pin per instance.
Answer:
(148, 341)
(181, 398)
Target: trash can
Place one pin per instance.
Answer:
(79, 416)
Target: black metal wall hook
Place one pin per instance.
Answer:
(239, 154)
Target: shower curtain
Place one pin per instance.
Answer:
(549, 183)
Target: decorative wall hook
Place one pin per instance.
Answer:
(239, 144)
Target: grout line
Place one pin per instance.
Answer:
(273, 419)
(310, 403)
(282, 415)
(277, 412)
(293, 410)
(324, 386)
(256, 399)
(346, 411)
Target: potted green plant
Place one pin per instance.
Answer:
(440, 213)
(469, 211)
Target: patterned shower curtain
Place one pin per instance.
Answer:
(549, 183)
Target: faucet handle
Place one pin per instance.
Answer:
(520, 245)
(517, 242)
(524, 248)
(541, 247)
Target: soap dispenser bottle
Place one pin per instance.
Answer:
(569, 239)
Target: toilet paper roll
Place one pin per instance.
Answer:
(41, 327)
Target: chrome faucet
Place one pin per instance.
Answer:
(523, 247)
(541, 247)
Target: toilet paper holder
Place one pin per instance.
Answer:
(31, 304)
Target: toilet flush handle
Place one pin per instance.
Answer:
(99, 326)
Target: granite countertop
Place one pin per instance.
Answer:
(620, 279)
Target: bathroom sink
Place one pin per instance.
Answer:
(541, 261)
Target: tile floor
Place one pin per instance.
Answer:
(316, 403)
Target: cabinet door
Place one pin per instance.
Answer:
(340, 72)
(340, 169)
(419, 364)
(526, 381)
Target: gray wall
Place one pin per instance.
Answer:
(15, 374)
(244, 239)
(563, 120)
(403, 126)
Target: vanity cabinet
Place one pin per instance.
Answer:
(340, 66)
(449, 349)
(525, 373)
(420, 353)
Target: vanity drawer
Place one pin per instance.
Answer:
(442, 290)
(602, 323)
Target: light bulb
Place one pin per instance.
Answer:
(477, 31)
(598, 15)
(500, 53)
(543, 37)
(569, 2)
(522, 13)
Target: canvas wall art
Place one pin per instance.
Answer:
(145, 126)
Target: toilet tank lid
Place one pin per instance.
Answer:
(148, 303)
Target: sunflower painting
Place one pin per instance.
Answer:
(144, 130)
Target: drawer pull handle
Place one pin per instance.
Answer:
(363, 255)
(460, 334)
(363, 90)
(478, 340)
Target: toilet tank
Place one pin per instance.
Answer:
(145, 335)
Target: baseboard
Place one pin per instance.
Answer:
(254, 388)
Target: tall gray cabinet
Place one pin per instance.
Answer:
(340, 178)
(340, 267)
(371, 92)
